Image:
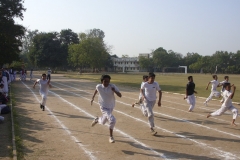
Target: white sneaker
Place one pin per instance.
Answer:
(111, 140)
(153, 132)
(205, 103)
(95, 121)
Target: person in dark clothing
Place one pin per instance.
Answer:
(190, 90)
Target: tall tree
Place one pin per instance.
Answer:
(67, 36)
(160, 58)
(91, 51)
(146, 63)
(46, 50)
(10, 33)
(96, 33)
(191, 58)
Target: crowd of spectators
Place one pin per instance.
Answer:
(6, 77)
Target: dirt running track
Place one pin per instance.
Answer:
(63, 130)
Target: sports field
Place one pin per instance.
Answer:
(170, 82)
(63, 130)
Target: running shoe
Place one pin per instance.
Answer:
(153, 132)
(95, 121)
(43, 108)
(111, 140)
(205, 104)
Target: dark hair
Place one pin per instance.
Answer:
(151, 74)
(225, 77)
(190, 77)
(214, 76)
(145, 76)
(105, 76)
(44, 74)
(226, 84)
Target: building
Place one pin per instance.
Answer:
(128, 64)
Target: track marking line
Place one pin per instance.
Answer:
(89, 153)
(221, 153)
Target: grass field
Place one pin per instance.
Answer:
(168, 82)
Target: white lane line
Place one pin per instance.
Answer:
(184, 110)
(164, 107)
(117, 130)
(220, 153)
(202, 108)
(91, 156)
(210, 128)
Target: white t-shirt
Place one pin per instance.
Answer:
(222, 83)
(140, 95)
(227, 99)
(214, 85)
(49, 72)
(150, 90)
(106, 96)
(43, 85)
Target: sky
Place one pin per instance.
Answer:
(141, 26)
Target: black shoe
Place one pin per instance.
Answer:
(43, 108)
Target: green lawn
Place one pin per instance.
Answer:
(168, 82)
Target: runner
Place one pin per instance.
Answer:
(106, 102)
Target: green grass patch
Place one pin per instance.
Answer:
(168, 82)
(17, 129)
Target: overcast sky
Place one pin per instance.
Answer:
(139, 26)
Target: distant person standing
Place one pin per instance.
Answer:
(214, 91)
(14, 74)
(190, 97)
(31, 74)
(5, 81)
(148, 90)
(49, 72)
(44, 85)
(11, 74)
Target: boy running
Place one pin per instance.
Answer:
(214, 91)
(149, 97)
(44, 84)
(106, 102)
(145, 79)
(227, 104)
(190, 90)
(226, 80)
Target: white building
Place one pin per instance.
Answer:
(127, 64)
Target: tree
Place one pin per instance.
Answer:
(46, 50)
(90, 52)
(191, 58)
(160, 58)
(67, 37)
(27, 42)
(96, 33)
(10, 33)
(146, 63)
